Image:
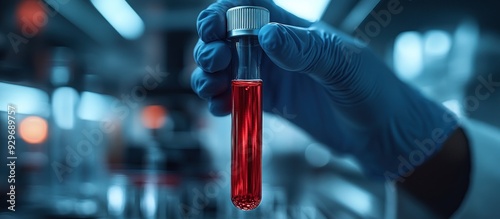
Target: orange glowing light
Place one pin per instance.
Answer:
(33, 129)
(31, 17)
(154, 116)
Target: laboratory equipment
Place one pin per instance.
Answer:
(243, 25)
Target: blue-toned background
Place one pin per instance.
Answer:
(107, 125)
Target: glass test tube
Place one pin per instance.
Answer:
(243, 24)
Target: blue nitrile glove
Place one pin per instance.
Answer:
(340, 92)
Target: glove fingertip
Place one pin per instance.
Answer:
(211, 25)
(217, 109)
(211, 22)
(270, 37)
(196, 78)
(278, 42)
(213, 57)
(220, 105)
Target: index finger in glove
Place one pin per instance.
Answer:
(212, 57)
(208, 85)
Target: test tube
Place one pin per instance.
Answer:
(243, 25)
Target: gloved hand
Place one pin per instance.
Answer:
(340, 92)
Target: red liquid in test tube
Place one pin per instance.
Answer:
(246, 168)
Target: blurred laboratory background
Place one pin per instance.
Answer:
(108, 126)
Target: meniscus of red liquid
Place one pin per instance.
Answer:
(246, 153)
